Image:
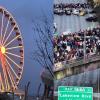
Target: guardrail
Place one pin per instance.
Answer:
(77, 62)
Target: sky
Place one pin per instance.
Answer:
(24, 11)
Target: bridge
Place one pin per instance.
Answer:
(84, 71)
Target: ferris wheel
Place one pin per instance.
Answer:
(11, 52)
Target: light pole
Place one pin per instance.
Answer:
(13, 94)
(98, 82)
(84, 46)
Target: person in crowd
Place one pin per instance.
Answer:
(75, 45)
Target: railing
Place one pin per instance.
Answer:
(77, 62)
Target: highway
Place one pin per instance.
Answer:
(72, 23)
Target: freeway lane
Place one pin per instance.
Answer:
(70, 1)
(72, 23)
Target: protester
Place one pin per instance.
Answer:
(75, 45)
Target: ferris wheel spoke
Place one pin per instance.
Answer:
(7, 84)
(14, 54)
(2, 24)
(12, 69)
(16, 47)
(5, 31)
(5, 74)
(12, 40)
(12, 61)
(11, 77)
(1, 83)
(9, 35)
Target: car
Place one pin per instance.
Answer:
(75, 12)
(92, 12)
(68, 12)
(56, 6)
(61, 12)
(82, 12)
(55, 11)
(58, 11)
(92, 19)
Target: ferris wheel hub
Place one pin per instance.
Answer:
(3, 50)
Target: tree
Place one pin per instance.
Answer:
(26, 90)
(43, 53)
(38, 90)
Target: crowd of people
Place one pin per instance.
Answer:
(72, 5)
(75, 45)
